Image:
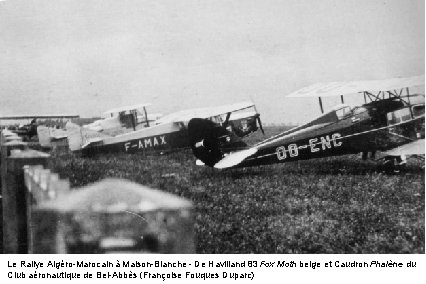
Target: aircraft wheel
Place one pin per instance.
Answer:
(394, 165)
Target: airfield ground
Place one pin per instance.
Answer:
(332, 205)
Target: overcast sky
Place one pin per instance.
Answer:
(86, 56)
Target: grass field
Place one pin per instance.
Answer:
(332, 205)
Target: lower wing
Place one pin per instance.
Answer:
(413, 148)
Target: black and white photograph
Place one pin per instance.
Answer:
(236, 127)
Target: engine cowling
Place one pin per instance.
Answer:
(210, 141)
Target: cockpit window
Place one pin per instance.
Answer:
(418, 110)
(359, 110)
(216, 119)
(399, 116)
(343, 112)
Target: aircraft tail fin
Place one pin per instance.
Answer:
(43, 134)
(210, 141)
(80, 137)
(75, 136)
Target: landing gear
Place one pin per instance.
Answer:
(394, 164)
(368, 155)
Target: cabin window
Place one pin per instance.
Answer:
(216, 119)
(343, 112)
(399, 116)
(359, 110)
(418, 110)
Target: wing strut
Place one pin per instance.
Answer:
(146, 117)
(227, 118)
(408, 95)
(258, 120)
(320, 103)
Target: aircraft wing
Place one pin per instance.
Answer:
(352, 87)
(235, 158)
(414, 148)
(125, 108)
(10, 117)
(186, 115)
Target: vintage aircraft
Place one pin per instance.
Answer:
(388, 121)
(124, 119)
(163, 134)
(27, 131)
(115, 121)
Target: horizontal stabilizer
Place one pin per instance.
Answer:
(7, 132)
(186, 115)
(235, 158)
(126, 108)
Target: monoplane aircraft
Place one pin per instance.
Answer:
(391, 120)
(163, 134)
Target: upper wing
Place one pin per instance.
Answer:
(125, 108)
(186, 115)
(352, 87)
(39, 116)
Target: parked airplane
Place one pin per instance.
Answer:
(388, 121)
(114, 122)
(124, 119)
(30, 130)
(166, 133)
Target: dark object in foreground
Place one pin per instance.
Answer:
(114, 216)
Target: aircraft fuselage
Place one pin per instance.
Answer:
(380, 125)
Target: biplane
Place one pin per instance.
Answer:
(149, 133)
(114, 122)
(124, 119)
(391, 120)
(29, 130)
